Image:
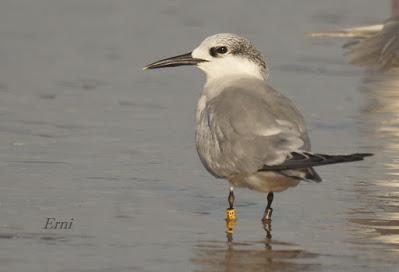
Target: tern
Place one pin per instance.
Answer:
(373, 46)
(247, 132)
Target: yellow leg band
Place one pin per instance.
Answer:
(231, 214)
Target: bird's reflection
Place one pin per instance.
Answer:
(262, 255)
(377, 216)
(267, 226)
(230, 227)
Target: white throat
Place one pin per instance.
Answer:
(231, 66)
(220, 73)
(227, 66)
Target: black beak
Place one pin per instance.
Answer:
(185, 59)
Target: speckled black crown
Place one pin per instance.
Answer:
(240, 46)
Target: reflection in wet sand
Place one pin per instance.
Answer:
(378, 217)
(46, 237)
(251, 256)
(262, 255)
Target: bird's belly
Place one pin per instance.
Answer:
(264, 181)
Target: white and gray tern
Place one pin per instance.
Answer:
(247, 132)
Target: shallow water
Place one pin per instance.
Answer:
(85, 134)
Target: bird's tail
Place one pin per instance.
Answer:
(306, 160)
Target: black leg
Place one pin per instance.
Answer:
(270, 197)
(231, 212)
(231, 199)
(267, 216)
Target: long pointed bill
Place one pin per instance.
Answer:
(185, 59)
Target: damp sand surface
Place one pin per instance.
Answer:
(87, 136)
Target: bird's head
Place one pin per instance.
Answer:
(221, 55)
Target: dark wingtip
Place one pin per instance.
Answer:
(363, 155)
(306, 160)
(311, 175)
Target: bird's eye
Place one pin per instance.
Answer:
(220, 50)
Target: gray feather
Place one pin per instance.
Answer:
(246, 126)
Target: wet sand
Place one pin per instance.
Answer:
(86, 134)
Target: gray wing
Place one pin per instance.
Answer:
(253, 127)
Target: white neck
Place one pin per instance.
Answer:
(231, 66)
